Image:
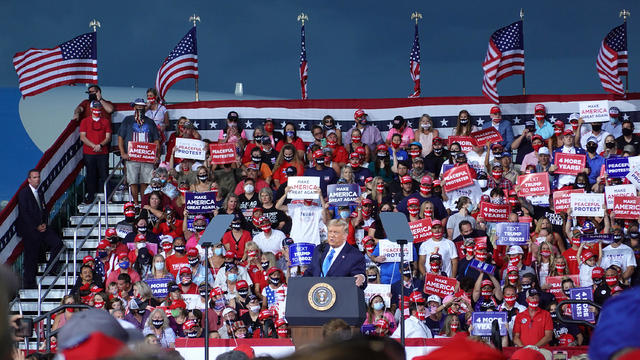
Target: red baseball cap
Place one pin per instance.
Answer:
(382, 323)
(536, 136)
(426, 180)
(597, 273)
(586, 256)
(280, 322)
(87, 258)
(185, 270)
(382, 147)
(366, 239)
(368, 180)
(193, 252)
(416, 297)
(436, 222)
(229, 254)
(539, 108)
(103, 244)
(358, 114)
(367, 201)
(272, 270)
(188, 325)
(568, 132)
(437, 183)
(437, 139)
(96, 289)
(353, 155)
(177, 304)
(361, 150)
(215, 291)
(110, 232)
(122, 256)
(495, 110)
(406, 179)
(413, 201)
(252, 166)
(241, 284)
(559, 123)
(486, 282)
(511, 268)
(318, 154)
(265, 314)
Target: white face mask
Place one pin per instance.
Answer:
(482, 183)
(159, 266)
(254, 308)
(248, 188)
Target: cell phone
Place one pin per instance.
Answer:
(93, 97)
(25, 327)
(560, 355)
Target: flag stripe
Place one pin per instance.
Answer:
(505, 57)
(182, 63)
(612, 60)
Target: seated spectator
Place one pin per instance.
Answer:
(158, 324)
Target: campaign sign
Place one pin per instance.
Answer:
(142, 151)
(483, 322)
(122, 230)
(152, 247)
(384, 290)
(343, 194)
(482, 266)
(592, 238)
(466, 142)
(533, 184)
(439, 285)
(190, 149)
(200, 202)
(581, 311)
(446, 167)
(626, 207)
(494, 212)
(303, 187)
(569, 164)
(489, 134)
(555, 285)
(222, 153)
(594, 111)
(421, 230)
(457, 177)
(610, 192)
(562, 199)
(391, 251)
(617, 167)
(159, 287)
(301, 253)
(473, 192)
(634, 176)
(512, 233)
(587, 204)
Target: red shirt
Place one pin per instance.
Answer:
(531, 330)
(192, 289)
(258, 276)
(280, 173)
(96, 132)
(166, 230)
(175, 263)
(339, 154)
(297, 143)
(86, 110)
(236, 245)
(572, 261)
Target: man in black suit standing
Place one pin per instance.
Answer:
(32, 227)
(339, 259)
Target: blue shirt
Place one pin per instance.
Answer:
(327, 176)
(546, 131)
(595, 165)
(390, 271)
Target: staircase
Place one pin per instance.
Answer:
(80, 224)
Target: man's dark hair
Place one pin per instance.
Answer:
(86, 266)
(336, 328)
(32, 171)
(531, 277)
(95, 86)
(464, 222)
(467, 283)
(125, 277)
(314, 127)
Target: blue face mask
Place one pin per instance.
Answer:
(289, 133)
(345, 214)
(232, 277)
(218, 251)
(378, 306)
(102, 254)
(124, 265)
(613, 120)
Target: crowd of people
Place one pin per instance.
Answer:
(151, 271)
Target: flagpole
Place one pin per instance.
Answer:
(522, 19)
(624, 14)
(195, 18)
(417, 17)
(303, 83)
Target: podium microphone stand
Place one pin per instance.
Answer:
(402, 243)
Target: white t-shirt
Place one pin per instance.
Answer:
(414, 328)
(444, 247)
(305, 223)
(585, 275)
(622, 256)
(476, 161)
(272, 244)
(157, 115)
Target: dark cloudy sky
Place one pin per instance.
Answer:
(356, 48)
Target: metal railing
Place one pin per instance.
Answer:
(47, 332)
(107, 199)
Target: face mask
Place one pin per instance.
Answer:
(179, 249)
(236, 226)
(218, 251)
(513, 278)
(536, 147)
(414, 153)
(597, 281)
(274, 281)
(454, 327)
(611, 280)
(545, 253)
(265, 265)
(356, 139)
(380, 187)
(481, 257)
(486, 293)
(232, 277)
(596, 127)
(355, 165)
(575, 241)
(203, 178)
(372, 278)
(533, 303)
(627, 131)
(243, 293)
(592, 148)
(378, 306)
(141, 245)
(497, 175)
(157, 323)
(554, 316)
(610, 145)
(159, 266)
(435, 268)
(308, 202)
(254, 308)
(192, 334)
(560, 267)
(510, 300)
(437, 236)
(421, 315)
(288, 157)
(289, 133)
(142, 311)
(426, 126)
(345, 214)
(438, 152)
(539, 117)
(194, 262)
(176, 312)
(266, 228)
(581, 185)
(102, 254)
(557, 131)
(124, 265)
(248, 188)
(526, 287)
(617, 238)
(199, 228)
(464, 121)
(482, 183)
(186, 280)
(283, 332)
(414, 212)
(395, 146)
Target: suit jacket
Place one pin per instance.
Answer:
(30, 214)
(350, 262)
(506, 130)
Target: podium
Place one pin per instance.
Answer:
(313, 301)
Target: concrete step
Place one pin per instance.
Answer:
(90, 244)
(68, 232)
(89, 220)
(32, 294)
(31, 308)
(114, 208)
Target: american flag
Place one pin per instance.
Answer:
(303, 65)
(505, 57)
(414, 65)
(72, 62)
(182, 63)
(613, 60)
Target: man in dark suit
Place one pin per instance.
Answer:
(339, 259)
(32, 227)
